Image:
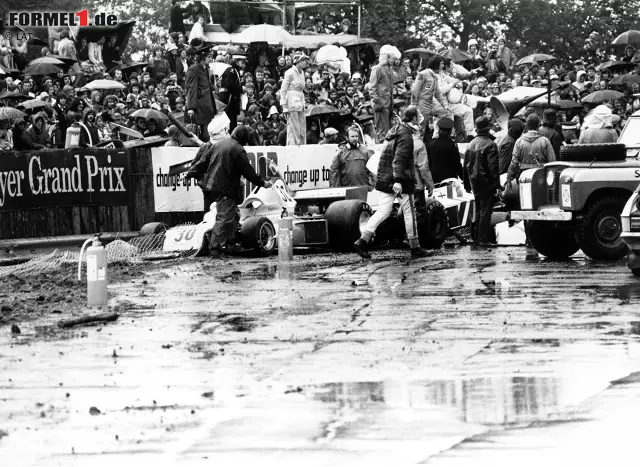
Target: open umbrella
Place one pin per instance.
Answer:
(33, 104)
(11, 114)
(359, 41)
(263, 33)
(565, 104)
(9, 71)
(217, 68)
(149, 113)
(615, 66)
(48, 59)
(456, 55)
(330, 53)
(126, 67)
(421, 51)
(321, 109)
(529, 59)
(104, 84)
(66, 60)
(599, 97)
(625, 79)
(13, 95)
(629, 37)
(42, 69)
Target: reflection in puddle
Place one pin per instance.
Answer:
(486, 401)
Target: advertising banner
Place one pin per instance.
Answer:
(302, 167)
(63, 177)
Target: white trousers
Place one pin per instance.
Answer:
(459, 110)
(407, 207)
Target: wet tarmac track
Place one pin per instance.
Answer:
(469, 357)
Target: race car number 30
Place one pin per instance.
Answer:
(283, 193)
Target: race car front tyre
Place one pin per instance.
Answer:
(153, 228)
(551, 240)
(345, 220)
(598, 231)
(259, 235)
(434, 229)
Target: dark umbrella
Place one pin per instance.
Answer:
(421, 51)
(630, 37)
(125, 67)
(47, 59)
(321, 109)
(13, 95)
(360, 41)
(33, 104)
(624, 79)
(615, 66)
(42, 69)
(529, 59)
(599, 97)
(567, 104)
(456, 55)
(66, 60)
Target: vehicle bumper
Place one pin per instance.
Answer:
(632, 240)
(557, 215)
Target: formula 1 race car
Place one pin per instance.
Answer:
(331, 217)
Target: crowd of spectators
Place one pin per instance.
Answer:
(160, 84)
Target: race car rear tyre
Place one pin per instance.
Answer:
(551, 240)
(434, 229)
(346, 218)
(606, 152)
(598, 231)
(259, 235)
(153, 228)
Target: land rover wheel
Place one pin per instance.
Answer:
(259, 235)
(598, 231)
(346, 219)
(550, 239)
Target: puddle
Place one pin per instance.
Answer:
(515, 400)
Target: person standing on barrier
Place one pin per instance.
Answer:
(220, 169)
(381, 91)
(482, 177)
(425, 91)
(200, 103)
(396, 178)
(292, 101)
(231, 88)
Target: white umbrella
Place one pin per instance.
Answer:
(217, 68)
(263, 33)
(104, 84)
(330, 53)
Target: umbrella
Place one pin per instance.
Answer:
(529, 59)
(263, 33)
(9, 71)
(360, 41)
(599, 97)
(42, 69)
(421, 51)
(617, 65)
(66, 60)
(330, 53)
(627, 38)
(625, 79)
(11, 114)
(321, 109)
(33, 104)
(149, 113)
(103, 84)
(13, 95)
(124, 67)
(456, 55)
(50, 60)
(567, 104)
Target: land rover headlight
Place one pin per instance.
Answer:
(550, 177)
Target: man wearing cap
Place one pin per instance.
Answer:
(380, 91)
(396, 178)
(551, 130)
(482, 177)
(531, 150)
(200, 103)
(218, 169)
(231, 88)
(443, 154)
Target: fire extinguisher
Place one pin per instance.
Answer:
(73, 136)
(96, 272)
